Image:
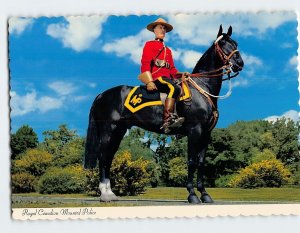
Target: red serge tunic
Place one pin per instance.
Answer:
(150, 51)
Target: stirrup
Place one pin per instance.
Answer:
(165, 127)
(175, 123)
(175, 120)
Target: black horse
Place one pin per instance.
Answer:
(109, 120)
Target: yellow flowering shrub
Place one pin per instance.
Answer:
(34, 161)
(129, 177)
(266, 173)
(22, 182)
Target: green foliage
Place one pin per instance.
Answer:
(129, 177)
(286, 144)
(22, 182)
(55, 140)
(135, 143)
(266, 173)
(154, 171)
(178, 147)
(223, 181)
(266, 154)
(70, 179)
(223, 156)
(178, 172)
(25, 138)
(33, 161)
(71, 153)
(92, 182)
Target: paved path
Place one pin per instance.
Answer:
(124, 202)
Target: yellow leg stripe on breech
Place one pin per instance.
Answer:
(172, 89)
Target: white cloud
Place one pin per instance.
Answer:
(29, 102)
(130, 46)
(293, 61)
(62, 88)
(251, 60)
(92, 85)
(80, 98)
(202, 29)
(240, 82)
(291, 114)
(189, 58)
(79, 33)
(19, 25)
(251, 64)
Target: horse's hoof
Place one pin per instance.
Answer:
(108, 198)
(205, 198)
(193, 199)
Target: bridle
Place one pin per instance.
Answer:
(225, 58)
(226, 68)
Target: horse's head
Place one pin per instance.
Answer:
(227, 50)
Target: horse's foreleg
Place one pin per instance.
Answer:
(193, 148)
(192, 198)
(205, 197)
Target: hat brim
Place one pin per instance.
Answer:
(151, 26)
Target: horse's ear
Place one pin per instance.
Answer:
(229, 33)
(220, 31)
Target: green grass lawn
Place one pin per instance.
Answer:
(265, 195)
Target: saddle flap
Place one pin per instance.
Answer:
(139, 98)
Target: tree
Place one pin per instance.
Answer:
(266, 154)
(134, 142)
(154, 171)
(70, 154)
(25, 138)
(286, 143)
(223, 157)
(55, 140)
(161, 153)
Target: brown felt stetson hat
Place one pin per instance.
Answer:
(161, 21)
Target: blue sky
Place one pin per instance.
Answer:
(59, 64)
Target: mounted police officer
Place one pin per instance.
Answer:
(158, 71)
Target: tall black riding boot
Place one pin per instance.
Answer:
(171, 120)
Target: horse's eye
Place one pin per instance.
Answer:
(222, 42)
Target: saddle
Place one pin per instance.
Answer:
(139, 98)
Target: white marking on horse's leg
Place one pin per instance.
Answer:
(106, 192)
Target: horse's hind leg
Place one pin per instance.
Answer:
(109, 144)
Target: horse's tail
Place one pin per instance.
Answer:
(92, 141)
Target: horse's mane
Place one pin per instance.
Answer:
(202, 61)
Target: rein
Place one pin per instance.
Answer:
(211, 74)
